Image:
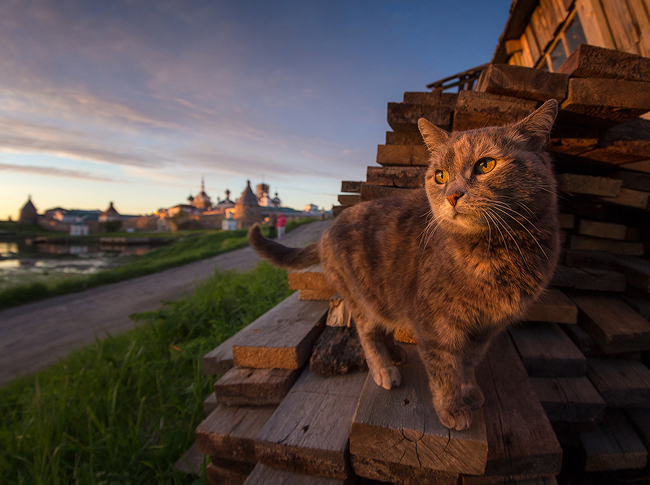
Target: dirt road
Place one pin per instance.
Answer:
(36, 335)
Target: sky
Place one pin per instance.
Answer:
(134, 101)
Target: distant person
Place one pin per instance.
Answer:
(322, 214)
(273, 221)
(282, 221)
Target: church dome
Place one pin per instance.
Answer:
(28, 213)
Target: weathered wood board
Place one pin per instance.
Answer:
(400, 426)
(620, 152)
(209, 404)
(404, 138)
(572, 146)
(545, 480)
(634, 180)
(309, 433)
(264, 475)
(567, 221)
(611, 99)
(640, 419)
(228, 472)
(405, 116)
(607, 230)
(639, 301)
(477, 110)
(285, 337)
(402, 155)
(315, 295)
(569, 399)
(586, 243)
(546, 351)
(590, 61)
(372, 192)
(521, 441)
(620, 382)
(614, 445)
(241, 386)
(588, 279)
(409, 177)
(590, 185)
(523, 82)
(349, 199)
(433, 98)
(630, 198)
(338, 314)
(553, 306)
(384, 471)
(636, 270)
(311, 278)
(230, 432)
(350, 186)
(582, 339)
(613, 325)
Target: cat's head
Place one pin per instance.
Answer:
(481, 178)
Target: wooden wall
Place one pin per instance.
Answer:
(616, 24)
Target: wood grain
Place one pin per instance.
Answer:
(586, 243)
(241, 386)
(620, 382)
(372, 192)
(589, 185)
(349, 199)
(553, 306)
(405, 177)
(590, 61)
(636, 270)
(606, 230)
(477, 110)
(405, 116)
(315, 295)
(569, 399)
(309, 433)
(384, 471)
(402, 155)
(433, 98)
(588, 279)
(400, 426)
(283, 340)
(523, 82)
(264, 475)
(350, 186)
(228, 472)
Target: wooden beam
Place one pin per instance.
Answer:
(316, 295)
(553, 306)
(209, 404)
(432, 98)
(613, 325)
(572, 183)
(404, 138)
(588, 279)
(590, 61)
(606, 230)
(585, 243)
(350, 186)
(614, 445)
(477, 110)
(384, 471)
(569, 399)
(524, 82)
(634, 180)
(229, 432)
(620, 382)
(264, 475)
(572, 146)
(405, 116)
(403, 177)
(636, 270)
(582, 339)
(620, 152)
(349, 199)
(521, 441)
(228, 472)
(311, 278)
(285, 338)
(309, 432)
(372, 192)
(546, 351)
(388, 155)
(400, 426)
(254, 387)
(630, 198)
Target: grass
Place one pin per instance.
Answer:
(123, 410)
(184, 251)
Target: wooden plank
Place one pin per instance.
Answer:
(582, 339)
(432, 98)
(546, 351)
(572, 183)
(209, 404)
(620, 152)
(614, 445)
(228, 472)
(230, 431)
(620, 382)
(285, 341)
(316, 295)
(542, 33)
(477, 110)
(338, 314)
(405, 116)
(241, 386)
(350, 186)
(569, 399)
(512, 480)
(623, 29)
(613, 325)
(190, 462)
(264, 475)
(553, 306)
(636, 270)
(643, 166)
(567, 221)
(588, 279)
(400, 426)
(572, 146)
(607, 230)
(640, 420)
(405, 177)
(337, 209)
(349, 199)
(590, 61)
(634, 180)
(384, 471)
(610, 99)
(532, 44)
(585, 243)
(524, 82)
(630, 198)
(309, 432)
(520, 438)
(404, 138)
(416, 155)
(372, 192)
(311, 278)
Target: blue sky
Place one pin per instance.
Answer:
(133, 101)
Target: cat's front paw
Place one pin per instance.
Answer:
(387, 377)
(458, 418)
(472, 396)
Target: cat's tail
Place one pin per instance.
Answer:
(283, 256)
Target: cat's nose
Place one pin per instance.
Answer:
(453, 198)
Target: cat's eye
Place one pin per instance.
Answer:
(442, 176)
(485, 165)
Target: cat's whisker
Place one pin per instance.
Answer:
(482, 212)
(496, 224)
(527, 230)
(510, 232)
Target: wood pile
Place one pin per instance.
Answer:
(573, 376)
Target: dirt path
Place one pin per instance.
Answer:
(36, 335)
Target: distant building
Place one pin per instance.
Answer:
(202, 201)
(109, 215)
(312, 208)
(224, 204)
(79, 228)
(28, 213)
(247, 208)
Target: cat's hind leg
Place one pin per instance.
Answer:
(383, 371)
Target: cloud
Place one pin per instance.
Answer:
(54, 172)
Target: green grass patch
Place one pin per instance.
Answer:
(123, 410)
(185, 250)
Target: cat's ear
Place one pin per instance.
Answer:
(432, 135)
(536, 127)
